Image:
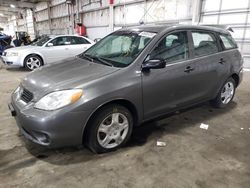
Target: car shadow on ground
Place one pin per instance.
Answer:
(12, 68)
(140, 136)
(16, 69)
(153, 130)
(181, 119)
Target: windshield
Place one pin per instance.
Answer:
(41, 41)
(120, 48)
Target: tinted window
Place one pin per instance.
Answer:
(59, 41)
(227, 42)
(204, 43)
(78, 40)
(173, 47)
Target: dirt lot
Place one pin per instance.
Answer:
(215, 158)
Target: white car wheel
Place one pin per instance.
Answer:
(32, 62)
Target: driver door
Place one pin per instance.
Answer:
(165, 89)
(59, 50)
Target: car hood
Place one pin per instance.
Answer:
(67, 74)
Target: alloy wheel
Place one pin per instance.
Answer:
(113, 130)
(33, 63)
(227, 92)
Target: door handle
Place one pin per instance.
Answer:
(222, 61)
(188, 69)
(66, 48)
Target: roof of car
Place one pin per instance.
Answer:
(160, 28)
(62, 35)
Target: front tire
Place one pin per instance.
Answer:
(32, 62)
(110, 129)
(225, 95)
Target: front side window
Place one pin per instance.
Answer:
(204, 44)
(120, 48)
(228, 42)
(173, 47)
(60, 41)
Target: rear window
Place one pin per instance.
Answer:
(227, 42)
(204, 43)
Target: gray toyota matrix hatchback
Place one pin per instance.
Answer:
(131, 76)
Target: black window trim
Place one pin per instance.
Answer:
(190, 44)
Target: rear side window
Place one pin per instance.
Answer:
(227, 42)
(204, 43)
(79, 40)
(60, 41)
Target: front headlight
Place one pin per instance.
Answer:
(17, 92)
(17, 89)
(59, 99)
(12, 54)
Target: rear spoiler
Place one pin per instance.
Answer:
(226, 27)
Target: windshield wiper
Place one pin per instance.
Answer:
(86, 57)
(99, 59)
(102, 61)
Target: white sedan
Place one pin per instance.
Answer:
(48, 49)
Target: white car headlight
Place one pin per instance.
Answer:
(59, 99)
(12, 54)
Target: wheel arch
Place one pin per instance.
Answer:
(123, 102)
(236, 78)
(36, 54)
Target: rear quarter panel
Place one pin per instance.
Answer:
(234, 58)
(233, 64)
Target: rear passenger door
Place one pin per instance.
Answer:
(78, 45)
(207, 65)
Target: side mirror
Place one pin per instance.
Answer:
(153, 64)
(50, 44)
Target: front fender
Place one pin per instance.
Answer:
(26, 54)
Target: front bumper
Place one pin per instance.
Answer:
(12, 60)
(49, 128)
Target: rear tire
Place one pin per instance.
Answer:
(110, 129)
(32, 62)
(225, 95)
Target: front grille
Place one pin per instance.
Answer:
(26, 95)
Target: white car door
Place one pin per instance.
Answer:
(78, 45)
(57, 49)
